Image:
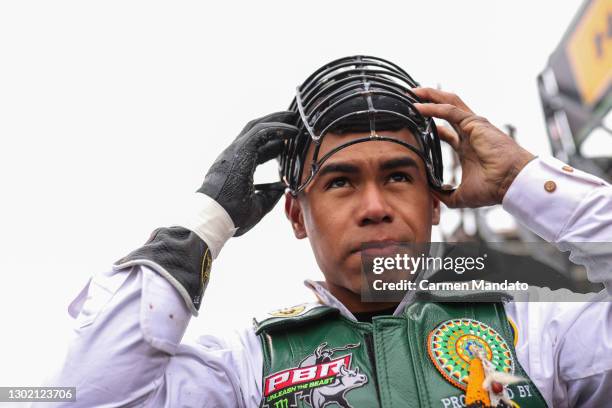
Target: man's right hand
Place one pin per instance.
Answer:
(230, 179)
(183, 254)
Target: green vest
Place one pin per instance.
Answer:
(315, 357)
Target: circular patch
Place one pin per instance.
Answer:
(451, 347)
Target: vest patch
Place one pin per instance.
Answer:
(319, 379)
(289, 311)
(450, 347)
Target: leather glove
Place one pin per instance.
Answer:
(182, 255)
(230, 179)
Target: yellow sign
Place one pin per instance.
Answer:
(589, 51)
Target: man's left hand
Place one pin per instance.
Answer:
(490, 159)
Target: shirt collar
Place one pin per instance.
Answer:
(325, 297)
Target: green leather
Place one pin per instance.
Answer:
(391, 352)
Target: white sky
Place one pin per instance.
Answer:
(111, 113)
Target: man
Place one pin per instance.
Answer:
(360, 157)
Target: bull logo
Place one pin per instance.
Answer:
(320, 380)
(345, 381)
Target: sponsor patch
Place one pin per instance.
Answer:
(320, 379)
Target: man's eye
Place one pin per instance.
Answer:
(338, 182)
(399, 177)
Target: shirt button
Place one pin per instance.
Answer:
(567, 168)
(550, 186)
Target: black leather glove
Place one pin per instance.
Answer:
(230, 179)
(179, 254)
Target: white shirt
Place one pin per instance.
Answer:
(129, 325)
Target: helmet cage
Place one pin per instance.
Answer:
(359, 89)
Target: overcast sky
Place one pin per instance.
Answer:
(111, 113)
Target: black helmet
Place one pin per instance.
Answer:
(357, 94)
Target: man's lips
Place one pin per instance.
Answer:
(379, 247)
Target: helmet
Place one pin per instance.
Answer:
(357, 94)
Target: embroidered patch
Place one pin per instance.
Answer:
(450, 347)
(320, 379)
(205, 268)
(289, 311)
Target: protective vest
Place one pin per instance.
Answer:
(315, 357)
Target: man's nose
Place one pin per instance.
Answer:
(374, 208)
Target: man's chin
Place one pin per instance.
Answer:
(354, 283)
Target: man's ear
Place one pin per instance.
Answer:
(293, 211)
(435, 214)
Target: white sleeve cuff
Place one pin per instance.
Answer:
(209, 220)
(545, 194)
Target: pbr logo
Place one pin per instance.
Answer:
(318, 380)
